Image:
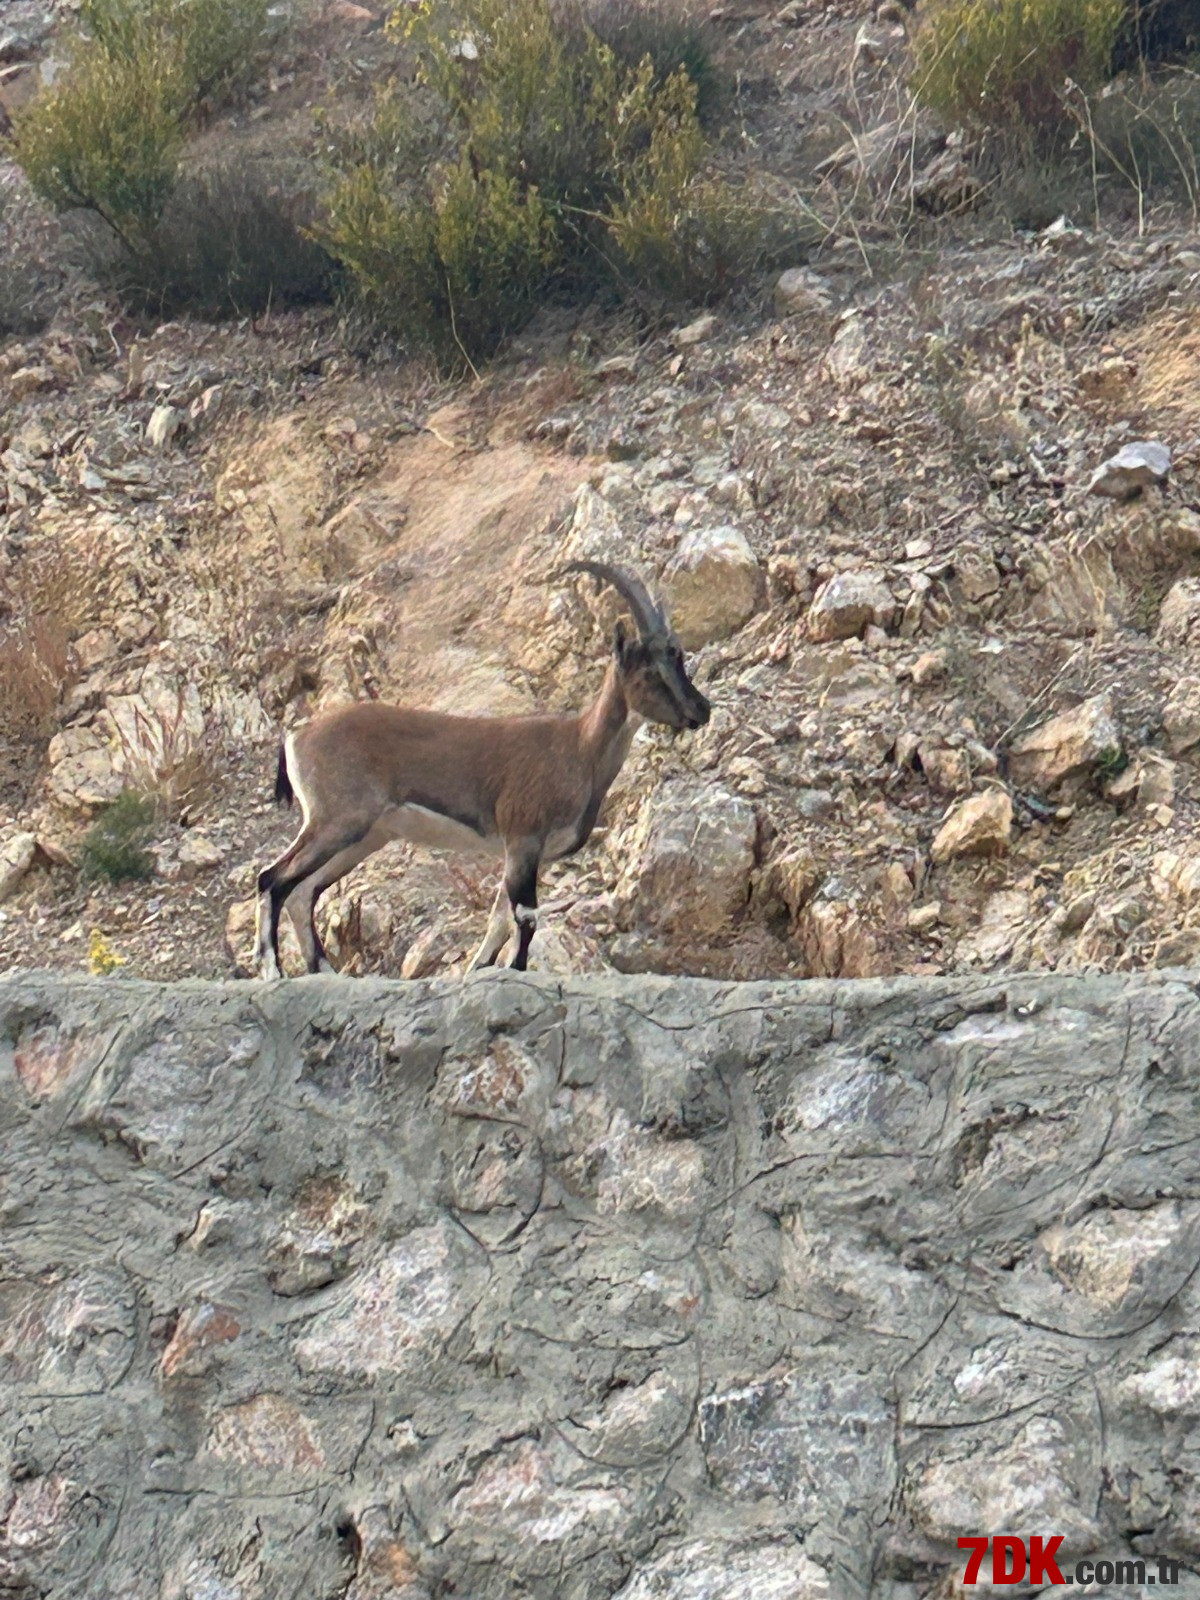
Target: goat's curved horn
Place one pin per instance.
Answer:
(633, 591)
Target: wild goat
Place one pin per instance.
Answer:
(527, 788)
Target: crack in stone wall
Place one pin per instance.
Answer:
(638, 1288)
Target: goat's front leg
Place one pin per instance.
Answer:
(497, 932)
(520, 880)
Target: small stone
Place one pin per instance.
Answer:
(814, 804)
(929, 668)
(715, 585)
(791, 880)
(29, 380)
(848, 358)
(17, 852)
(198, 855)
(977, 827)
(848, 603)
(165, 422)
(94, 647)
(1067, 746)
(948, 770)
(196, 1333)
(1139, 465)
(922, 918)
(801, 292)
(697, 332)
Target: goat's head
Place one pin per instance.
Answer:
(653, 672)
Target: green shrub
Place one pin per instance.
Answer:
(459, 269)
(108, 135)
(542, 164)
(114, 847)
(674, 34)
(106, 138)
(217, 44)
(231, 239)
(1004, 63)
(1156, 31)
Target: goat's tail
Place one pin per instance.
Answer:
(284, 793)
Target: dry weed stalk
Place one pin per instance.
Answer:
(170, 763)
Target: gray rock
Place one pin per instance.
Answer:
(800, 292)
(1140, 465)
(694, 852)
(17, 852)
(165, 422)
(848, 603)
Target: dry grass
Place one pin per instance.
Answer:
(44, 603)
(170, 763)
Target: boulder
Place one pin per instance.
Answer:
(1179, 616)
(1142, 464)
(715, 585)
(980, 826)
(1067, 746)
(801, 292)
(848, 603)
(694, 852)
(1181, 716)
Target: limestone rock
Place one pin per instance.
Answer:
(694, 853)
(1142, 464)
(705, 1569)
(980, 826)
(1111, 1254)
(86, 770)
(286, 1247)
(1179, 617)
(697, 332)
(839, 942)
(1066, 746)
(1181, 716)
(800, 292)
(17, 852)
(1033, 1482)
(198, 855)
(165, 422)
(848, 603)
(715, 585)
(848, 359)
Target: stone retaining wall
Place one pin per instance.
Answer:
(657, 1289)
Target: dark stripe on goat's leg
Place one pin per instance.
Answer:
(520, 879)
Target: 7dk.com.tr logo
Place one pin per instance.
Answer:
(1016, 1560)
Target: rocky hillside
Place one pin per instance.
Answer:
(952, 648)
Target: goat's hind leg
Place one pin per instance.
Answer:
(314, 847)
(302, 903)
